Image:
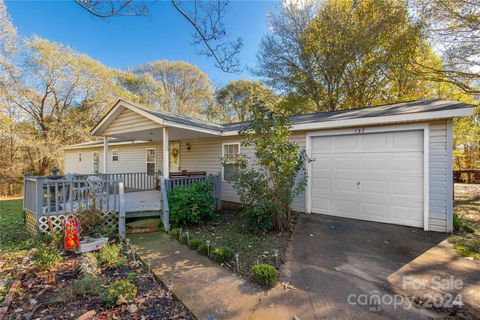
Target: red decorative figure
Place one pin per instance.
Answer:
(72, 234)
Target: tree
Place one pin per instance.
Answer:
(454, 27)
(174, 86)
(236, 100)
(205, 17)
(269, 183)
(282, 62)
(340, 54)
(60, 94)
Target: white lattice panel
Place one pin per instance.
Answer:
(109, 220)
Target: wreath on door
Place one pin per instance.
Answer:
(175, 152)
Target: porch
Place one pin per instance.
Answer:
(49, 200)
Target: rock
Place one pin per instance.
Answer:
(87, 315)
(132, 308)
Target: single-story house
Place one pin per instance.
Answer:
(389, 163)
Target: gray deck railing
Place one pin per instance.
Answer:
(53, 197)
(181, 182)
(134, 181)
(44, 196)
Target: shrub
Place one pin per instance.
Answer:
(265, 274)
(258, 218)
(269, 187)
(460, 224)
(222, 254)
(110, 256)
(174, 233)
(120, 288)
(46, 258)
(192, 205)
(203, 249)
(195, 243)
(87, 285)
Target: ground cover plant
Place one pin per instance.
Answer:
(466, 236)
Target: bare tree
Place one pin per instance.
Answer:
(206, 18)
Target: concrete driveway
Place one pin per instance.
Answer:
(339, 265)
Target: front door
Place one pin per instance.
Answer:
(174, 148)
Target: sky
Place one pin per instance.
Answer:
(122, 42)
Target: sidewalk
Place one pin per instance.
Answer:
(207, 289)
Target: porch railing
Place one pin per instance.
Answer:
(181, 182)
(53, 197)
(134, 181)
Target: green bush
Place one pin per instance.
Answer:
(222, 254)
(258, 218)
(120, 288)
(87, 285)
(46, 258)
(174, 233)
(195, 243)
(110, 256)
(203, 249)
(461, 225)
(192, 205)
(265, 274)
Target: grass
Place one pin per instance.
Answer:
(466, 237)
(12, 226)
(230, 231)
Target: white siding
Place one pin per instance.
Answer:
(124, 122)
(205, 155)
(440, 183)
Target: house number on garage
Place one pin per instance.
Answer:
(359, 131)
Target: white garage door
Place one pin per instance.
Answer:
(374, 176)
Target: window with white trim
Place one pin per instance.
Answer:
(115, 155)
(230, 153)
(151, 160)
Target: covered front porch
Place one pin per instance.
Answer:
(118, 187)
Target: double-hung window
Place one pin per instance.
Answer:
(96, 162)
(230, 153)
(115, 155)
(151, 160)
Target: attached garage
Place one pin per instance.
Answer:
(375, 175)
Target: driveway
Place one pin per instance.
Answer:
(337, 265)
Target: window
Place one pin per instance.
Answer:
(151, 159)
(96, 162)
(115, 155)
(230, 153)
(79, 157)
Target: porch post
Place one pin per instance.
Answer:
(105, 154)
(166, 158)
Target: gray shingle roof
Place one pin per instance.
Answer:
(410, 107)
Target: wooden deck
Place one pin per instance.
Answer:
(143, 203)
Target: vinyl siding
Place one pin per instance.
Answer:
(124, 122)
(205, 155)
(440, 184)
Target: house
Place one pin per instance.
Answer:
(390, 163)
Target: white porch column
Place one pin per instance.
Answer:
(166, 158)
(105, 154)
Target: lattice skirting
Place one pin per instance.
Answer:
(31, 222)
(56, 222)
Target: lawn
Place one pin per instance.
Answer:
(230, 231)
(12, 228)
(466, 237)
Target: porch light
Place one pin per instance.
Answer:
(189, 146)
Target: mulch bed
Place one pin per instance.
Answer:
(253, 248)
(39, 299)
